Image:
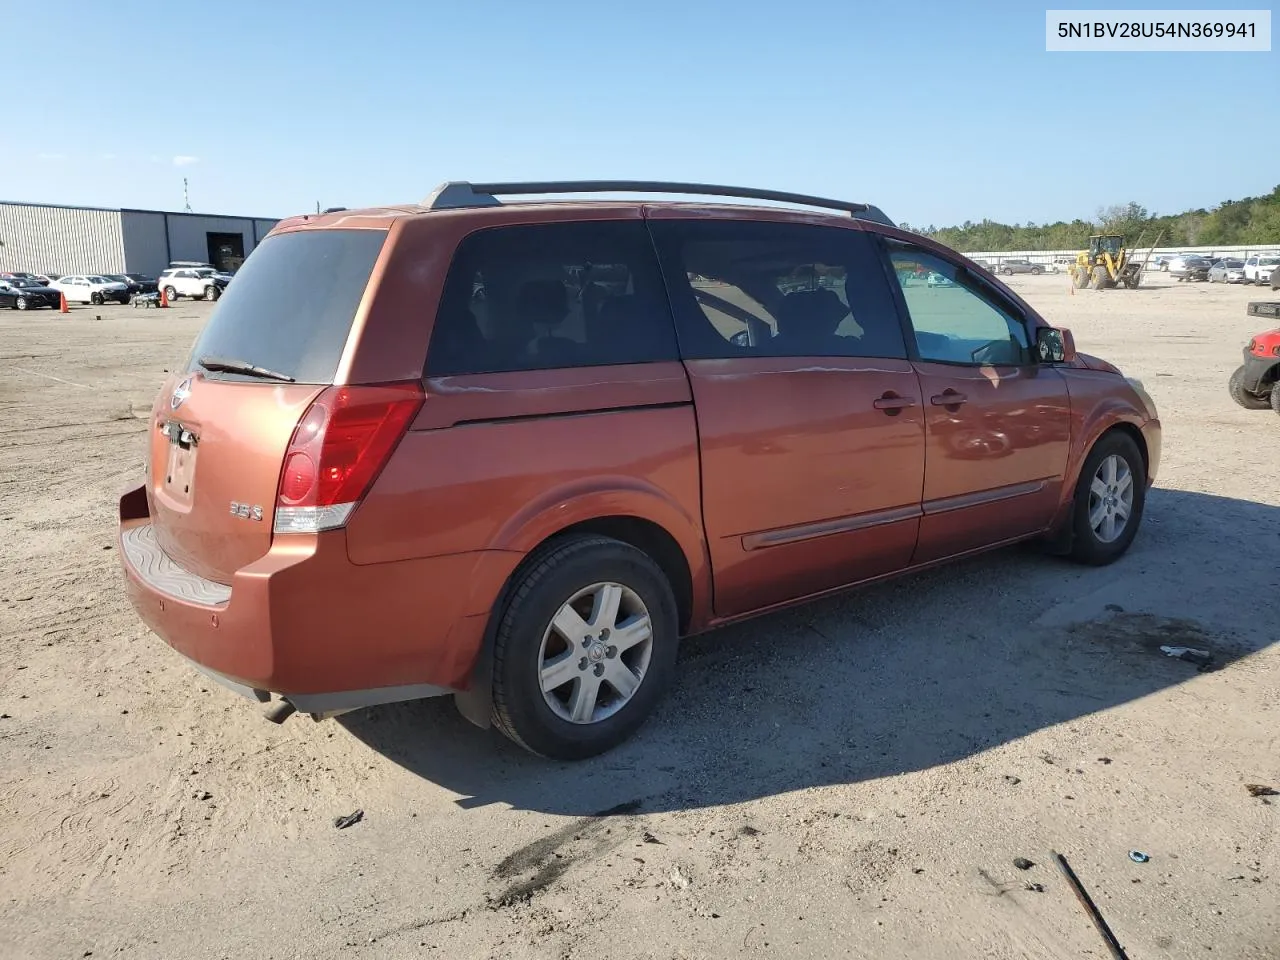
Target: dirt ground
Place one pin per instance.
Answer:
(849, 779)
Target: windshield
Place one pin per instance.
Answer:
(293, 303)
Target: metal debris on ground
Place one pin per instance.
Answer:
(650, 838)
(1117, 951)
(350, 819)
(1022, 863)
(1137, 856)
(1261, 790)
(1034, 887)
(1201, 658)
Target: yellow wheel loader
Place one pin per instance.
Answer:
(1107, 263)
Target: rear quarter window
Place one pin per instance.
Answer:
(291, 306)
(549, 296)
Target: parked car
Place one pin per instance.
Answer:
(1189, 268)
(1010, 267)
(136, 282)
(200, 283)
(1255, 385)
(21, 275)
(1258, 269)
(365, 485)
(938, 280)
(91, 288)
(22, 294)
(1161, 261)
(1227, 271)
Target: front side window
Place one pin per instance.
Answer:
(550, 296)
(955, 321)
(745, 288)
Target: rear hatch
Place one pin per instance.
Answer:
(223, 426)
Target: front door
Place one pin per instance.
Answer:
(811, 426)
(998, 424)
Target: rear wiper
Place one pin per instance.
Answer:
(242, 366)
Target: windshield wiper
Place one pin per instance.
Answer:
(224, 365)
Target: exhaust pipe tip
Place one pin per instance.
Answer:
(280, 712)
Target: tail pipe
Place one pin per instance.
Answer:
(280, 711)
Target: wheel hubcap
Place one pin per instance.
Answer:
(1111, 499)
(595, 653)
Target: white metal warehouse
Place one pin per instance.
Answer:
(43, 238)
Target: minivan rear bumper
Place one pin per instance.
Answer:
(306, 623)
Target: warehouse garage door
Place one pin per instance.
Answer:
(226, 250)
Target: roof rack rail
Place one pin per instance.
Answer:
(460, 193)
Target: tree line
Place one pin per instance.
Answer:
(1252, 221)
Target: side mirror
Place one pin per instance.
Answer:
(741, 339)
(1055, 345)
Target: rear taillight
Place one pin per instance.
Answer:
(338, 449)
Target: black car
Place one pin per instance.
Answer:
(27, 294)
(136, 282)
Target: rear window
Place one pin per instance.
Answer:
(292, 304)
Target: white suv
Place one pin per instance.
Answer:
(201, 283)
(1259, 269)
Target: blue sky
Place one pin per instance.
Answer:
(938, 112)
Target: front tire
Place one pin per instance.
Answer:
(1250, 401)
(585, 648)
(1110, 495)
(211, 293)
(21, 303)
(1036, 271)
(170, 294)
(95, 299)
(1101, 279)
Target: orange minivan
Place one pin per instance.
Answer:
(513, 451)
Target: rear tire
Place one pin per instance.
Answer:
(1250, 401)
(575, 574)
(1036, 271)
(1110, 494)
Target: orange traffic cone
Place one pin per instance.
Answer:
(164, 299)
(62, 302)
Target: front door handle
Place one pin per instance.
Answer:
(891, 403)
(948, 398)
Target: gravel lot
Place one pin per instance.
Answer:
(849, 779)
